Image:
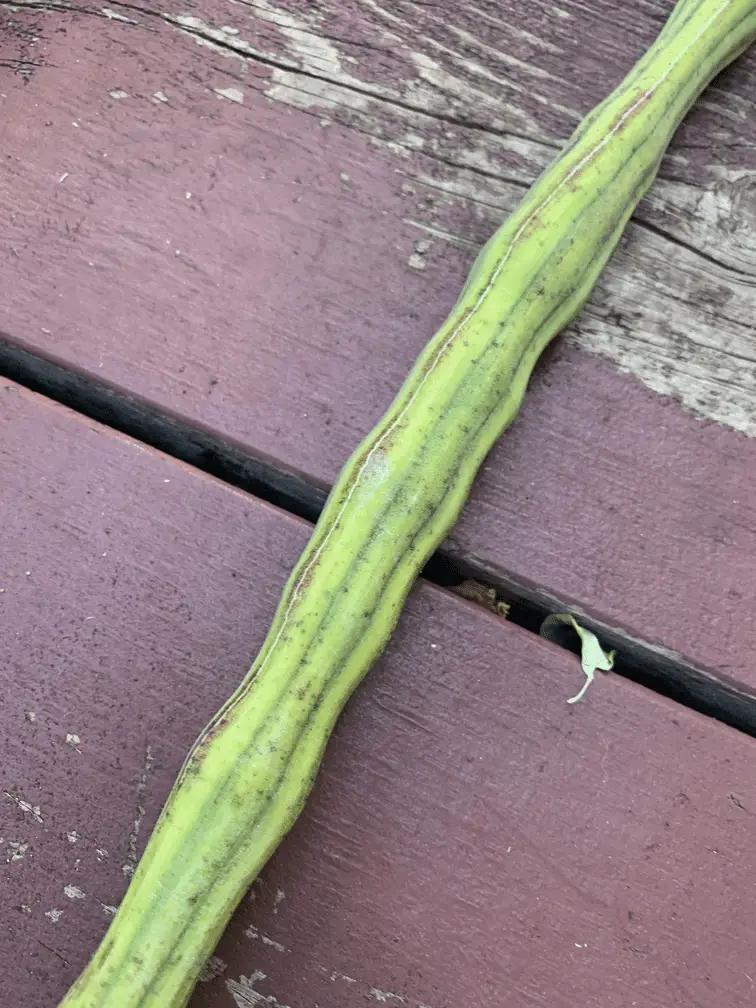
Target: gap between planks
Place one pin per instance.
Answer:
(648, 664)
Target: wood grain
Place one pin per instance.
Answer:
(472, 838)
(330, 220)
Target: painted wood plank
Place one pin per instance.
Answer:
(256, 217)
(472, 838)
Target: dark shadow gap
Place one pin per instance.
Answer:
(145, 423)
(661, 671)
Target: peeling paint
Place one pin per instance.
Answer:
(690, 347)
(15, 851)
(334, 975)
(73, 892)
(116, 16)
(385, 996)
(417, 259)
(245, 996)
(231, 94)
(252, 932)
(54, 915)
(33, 810)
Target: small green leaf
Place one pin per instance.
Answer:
(592, 656)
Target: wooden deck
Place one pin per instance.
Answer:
(250, 217)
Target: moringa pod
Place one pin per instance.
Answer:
(248, 774)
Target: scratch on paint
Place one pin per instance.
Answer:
(25, 806)
(141, 790)
(333, 975)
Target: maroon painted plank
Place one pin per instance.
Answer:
(275, 305)
(472, 838)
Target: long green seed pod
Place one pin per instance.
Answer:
(248, 774)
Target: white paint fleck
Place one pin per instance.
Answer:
(73, 740)
(252, 932)
(15, 851)
(110, 910)
(279, 898)
(416, 262)
(159, 97)
(30, 716)
(231, 94)
(101, 853)
(73, 892)
(118, 94)
(25, 908)
(334, 975)
(63, 177)
(115, 16)
(385, 996)
(72, 836)
(54, 915)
